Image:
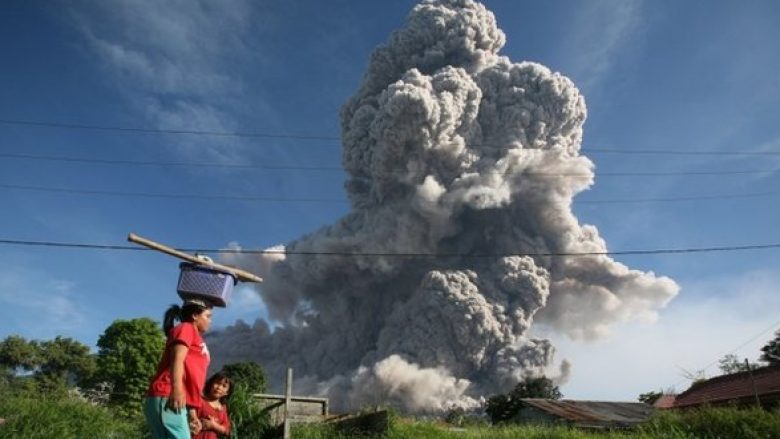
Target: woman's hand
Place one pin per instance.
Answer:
(177, 399)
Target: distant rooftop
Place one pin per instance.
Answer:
(594, 413)
(737, 388)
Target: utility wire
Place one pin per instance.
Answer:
(228, 197)
(164, 195)
(340, 169)
(164, 163)
(267, 135)
(403, 254)
(164, 131)
(750, 340)
(680, 199)
(680, 152)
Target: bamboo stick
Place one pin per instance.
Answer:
(240, 274)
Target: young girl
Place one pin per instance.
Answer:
(213, 413)
(175, 391)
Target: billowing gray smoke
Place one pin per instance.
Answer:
(452, 150)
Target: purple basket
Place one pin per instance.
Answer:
(199, 282)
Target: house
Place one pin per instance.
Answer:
(665, 401)
(584, 414)
(741, 389)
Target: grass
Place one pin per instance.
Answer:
(63, 418)
(722, 423)
(716, 423)
(429, 430)
(31, 417)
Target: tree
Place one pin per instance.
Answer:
(248, 374)
(54, 364)
(730, 363)
(248, 418)
(771, 351)
(18, 355)
(62, 361)
(16, 352)
(649, 397)
(504, 407)
(128, 352)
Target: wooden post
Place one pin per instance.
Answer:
(287, 402)
(753, 380)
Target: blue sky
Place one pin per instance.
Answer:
(661, 75)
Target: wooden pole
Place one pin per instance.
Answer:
(753, 380)
(287, 401)
(240, 274)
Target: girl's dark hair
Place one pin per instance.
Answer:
(184, 313)
(217, 377)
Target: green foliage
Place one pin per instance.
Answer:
(714, 423)
(128, 353)
(45, 418)
(62, 359)
(18, 353)
(730, 363)
(317, 431)
(460, 418)
(34, 418)
(649, 397)
(250, 374)
(699, 424)
(247, 418)
(52, 363)
(771, 351)
(432, 430)
(504, 407)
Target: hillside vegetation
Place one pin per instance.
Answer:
(71, 417)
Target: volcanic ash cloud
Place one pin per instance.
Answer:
(450, 149)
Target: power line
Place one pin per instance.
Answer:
(227, 197)
(750, 340)
(680, 199)
(268, 135)
(168, 196)
(403, 254)
(164, 163)
(680, 152)
(340, 169)
(164, 131)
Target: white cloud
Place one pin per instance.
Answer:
(708, 320)
(177, 62)
(42, 306)
(169, 47)
(601, 29)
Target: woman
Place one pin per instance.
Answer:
(174, 393)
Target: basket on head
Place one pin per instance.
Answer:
(202, 282)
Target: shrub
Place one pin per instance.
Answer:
(715, 423)
(247, 418)
(37, 417)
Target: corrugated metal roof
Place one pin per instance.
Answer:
(736, 386)
(594, 412)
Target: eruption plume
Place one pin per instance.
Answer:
(454, 150)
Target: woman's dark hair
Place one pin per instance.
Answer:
(217, 377)
(184, 313)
